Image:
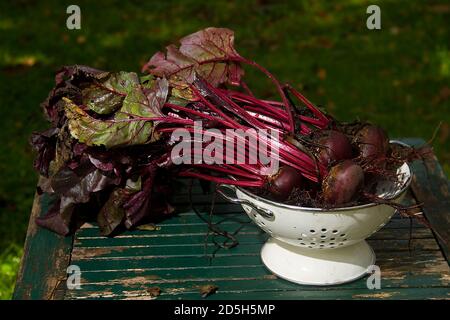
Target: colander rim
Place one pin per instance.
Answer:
(331, 210)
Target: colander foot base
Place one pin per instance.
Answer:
(317, 267)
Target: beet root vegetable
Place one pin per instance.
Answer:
(372, 141)
(283, 182)
(343, 183)
(334, 147)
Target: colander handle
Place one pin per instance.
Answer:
(266, 213)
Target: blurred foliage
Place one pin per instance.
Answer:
(9, 265)
(397, 76)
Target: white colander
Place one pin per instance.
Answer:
(320, 246)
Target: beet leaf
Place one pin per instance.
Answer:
(209, 53)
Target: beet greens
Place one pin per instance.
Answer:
(109, 148)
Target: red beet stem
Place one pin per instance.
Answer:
(319, 114)
(198, 113)
(234, 123)
(277, 84)
(242, 183)
(231, 170)
(224, 101)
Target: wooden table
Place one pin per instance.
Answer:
(175, 261)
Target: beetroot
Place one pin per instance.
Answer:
(334, 147)
(283, 182)
(343, 183)
(372, 141)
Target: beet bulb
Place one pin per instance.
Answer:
(334, 147)
(343, 183)
(283, 182)
(372, 141)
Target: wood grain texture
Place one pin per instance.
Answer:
(431, 187)
(45, 259)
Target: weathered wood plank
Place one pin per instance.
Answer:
(423, 263)
(432, 188)
(386, 294)
(176, 262)
(45, 260)
(400, 275)
(257, 284)
(266, 282)
(299, 293)
(199, 249)
(246, 235)
(229, 221)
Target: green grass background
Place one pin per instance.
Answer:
(397, 76)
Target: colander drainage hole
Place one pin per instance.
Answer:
(331, 243)
(322, 241)
(335, 231)
(262, 223)
(310, 247)
(341, 243)
(332, 239)
(303, 244)
(324, 230)
(313, 243)
(300, 239)
(312, 231)
(323, 237)
(343, 235)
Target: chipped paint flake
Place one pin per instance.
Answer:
(381, 295)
